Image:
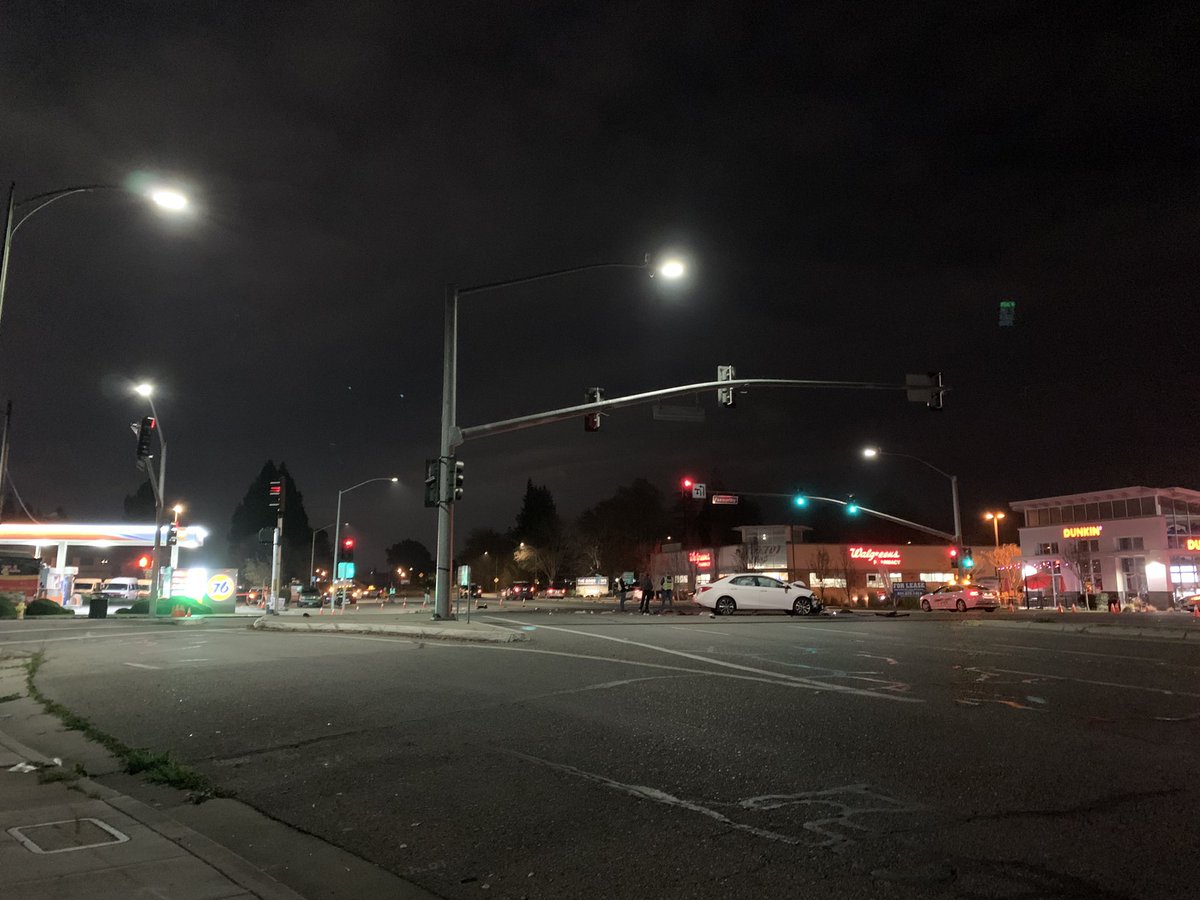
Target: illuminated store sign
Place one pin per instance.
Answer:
(701, 559)
(876, 557)
(1084, 531)
(1193, 543)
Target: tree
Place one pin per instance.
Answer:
(413, 556)
(537, 522)
(845, 571)
(1006, 559)
(1078, 556)
(820, 565)
(624, 528)
(255, 513)
(140, 506)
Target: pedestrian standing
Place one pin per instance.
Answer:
(647, 593)
(622, 592)
(666, 596)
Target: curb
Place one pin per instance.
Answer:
(1096, 629)
(225, 861)
(497, 636)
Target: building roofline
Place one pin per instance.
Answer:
(1123, 493)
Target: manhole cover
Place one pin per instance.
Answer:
(69, 834)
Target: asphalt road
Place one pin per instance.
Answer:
(684, 757)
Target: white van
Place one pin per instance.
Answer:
(125, 588)
(84, 586)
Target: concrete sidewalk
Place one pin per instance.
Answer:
(78, 838)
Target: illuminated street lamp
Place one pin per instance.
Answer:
(876, 452)
(147, 390)
(16, 215)
(337, 522)
(994, 518)
(671, 269)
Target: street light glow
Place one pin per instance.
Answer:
(170, 200)
(394, 479)
(672, 269)
(870, 452)
(144, 389)
(990, 516)
(177, 508)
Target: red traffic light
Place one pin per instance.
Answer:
(143, 562)
(954, 551)
(348, 543)
(687, 484)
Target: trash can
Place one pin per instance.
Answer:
(97, 606)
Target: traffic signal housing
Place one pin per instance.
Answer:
(460, 476)
(347, 554)
(172, 535)
(591, 420)
(725, 395)
(433, 482)
(954, 557)
(275, 494)
(967, 559)
(144, 436)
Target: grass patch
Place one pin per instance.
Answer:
(160, 768)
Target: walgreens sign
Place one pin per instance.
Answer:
(876, 557)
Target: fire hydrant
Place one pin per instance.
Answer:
(21, 608)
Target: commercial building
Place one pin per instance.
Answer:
(1135, 543)
(850, 572)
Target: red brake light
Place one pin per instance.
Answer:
(704, 587)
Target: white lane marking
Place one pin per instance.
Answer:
(783, 676)
(1116, 684)
(198, 659)
(142, 666)
(642, 792)
(92, 637)
(694, 627)
(510, 648)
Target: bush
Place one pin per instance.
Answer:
(166, 605)
(42, 607)
(8, 606)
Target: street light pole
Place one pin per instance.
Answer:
(873, 452)
(147, 391)
(337, 529)
(995, 518)
(451, 437)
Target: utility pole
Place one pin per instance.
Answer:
(4, 458)
(277, 545)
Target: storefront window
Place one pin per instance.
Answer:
(1046, 549)
(1118, 507)
(1106, 509)
(1056, 516)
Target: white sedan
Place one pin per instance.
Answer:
(757, 592)
(961, 597)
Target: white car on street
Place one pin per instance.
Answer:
(752, 593)
(961, 597)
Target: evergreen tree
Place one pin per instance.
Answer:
(140, 505)
(255, 513)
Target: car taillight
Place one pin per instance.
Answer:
(704, 587)
(972, 593)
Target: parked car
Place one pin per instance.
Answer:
(1189, 603)
(757, 592)
(555, 589)
(521, 590)
(309, 596)
(961, 597)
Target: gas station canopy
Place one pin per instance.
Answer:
(26, 534)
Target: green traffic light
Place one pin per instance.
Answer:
(852, 509)
(800, 500)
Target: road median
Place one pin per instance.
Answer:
(471, 632)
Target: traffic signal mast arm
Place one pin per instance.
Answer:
(572, 412)
(870, 512)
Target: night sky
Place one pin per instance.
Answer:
(857, 187)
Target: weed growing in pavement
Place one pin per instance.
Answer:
(8, 697)
(160, 768)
